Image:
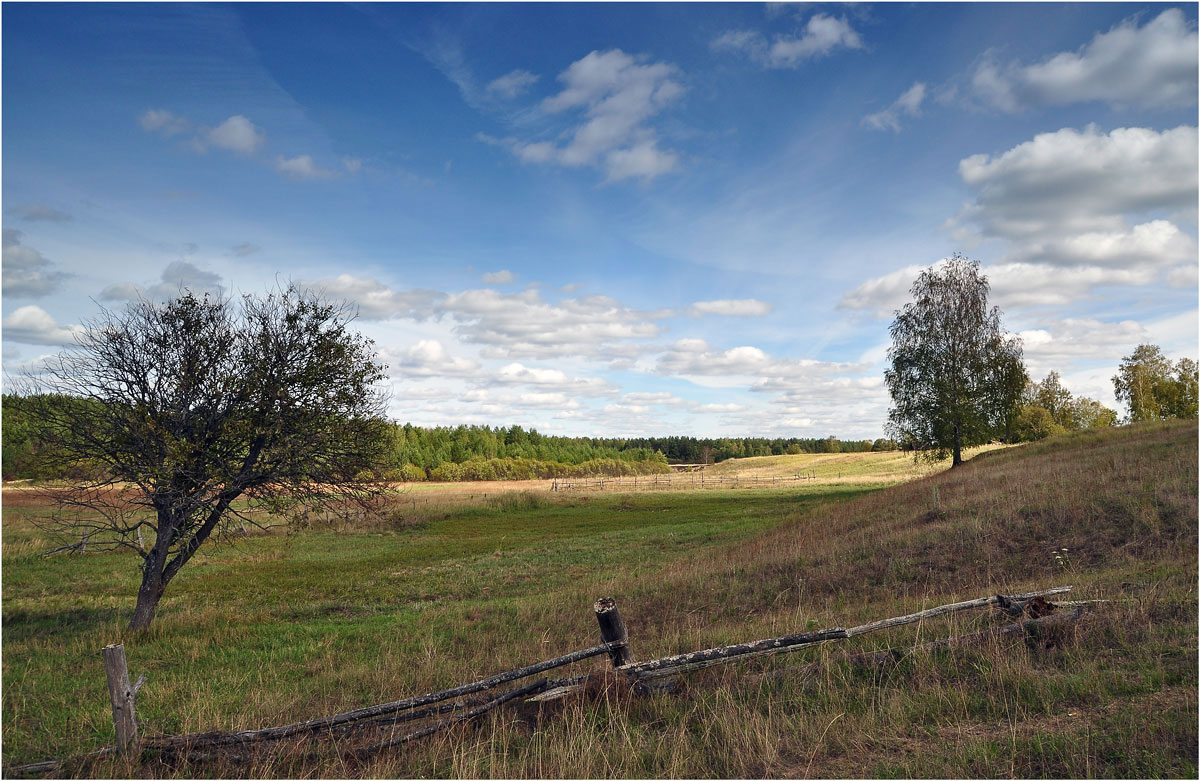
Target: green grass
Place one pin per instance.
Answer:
(278, 627)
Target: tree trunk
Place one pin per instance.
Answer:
(153, 586)
(957, 446)
(154, 582)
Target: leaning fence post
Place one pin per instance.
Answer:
(612, 630)
(122, 695)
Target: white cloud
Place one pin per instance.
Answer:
(429, 358)
(735, 307)
(176, 278)
(618, 94)
(301, 167)
(509, 325)
(516, 373)
(1074, 211)
(33, 325)
(1184, 276)
(818, 38)
(163, 121)
(693, 358)
(376, 301)
(908, 104)
(1154, 243)
(522, 324)
(1153, 65)
(39, 212)
(27, 273)
(236, 134)
(502, 277)
(1013, 286)
(1072, 181)
(1060, 344)
(352, 164)
(512, 84)
(497, 403)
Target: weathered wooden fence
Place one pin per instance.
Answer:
(680, 480)
(457, 704)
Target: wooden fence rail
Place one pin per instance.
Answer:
(615, 643)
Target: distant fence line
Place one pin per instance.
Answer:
(698, 479)
(614, 643)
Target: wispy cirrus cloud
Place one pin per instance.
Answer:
(512, 84)
(732, 307)
(907, 105)
(38, 212)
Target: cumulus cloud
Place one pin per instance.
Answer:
(178, 277)
(27, 273)
(1062, 344)
(164, 122)
(301, 167)
(820, 36)
(1152, 65)
(502, 277)
(1080, 181)
(617, 95)
(694, 358)
(236, 134)
(38, 212)
(501, 402)
(376, 301)
(908, 104)
(735, 307)
(516, 373)
(1014, 285)
(33, 325)
(1074, 211)
(512, 84)
(429, 358)
(523, 324)
(1153, 243)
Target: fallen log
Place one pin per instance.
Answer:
(491, 704)
(196, 740)
(683, 662)
(894, 655)
(912, 618)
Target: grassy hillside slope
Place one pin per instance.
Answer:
(278, 628)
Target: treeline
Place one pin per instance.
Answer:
(486, 453)
(444, 454)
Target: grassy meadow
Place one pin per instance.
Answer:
(450, 587)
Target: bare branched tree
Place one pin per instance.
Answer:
(955, 378)
(184, 420)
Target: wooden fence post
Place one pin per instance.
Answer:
(122, 695)
(612, 630)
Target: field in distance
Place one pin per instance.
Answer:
(281, 627)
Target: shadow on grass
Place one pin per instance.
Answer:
(21, 625)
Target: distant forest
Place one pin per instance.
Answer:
(455, 453)
(428, 447)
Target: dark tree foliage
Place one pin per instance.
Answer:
(956, 378)
(186, 417)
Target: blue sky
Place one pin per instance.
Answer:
(613, 219)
